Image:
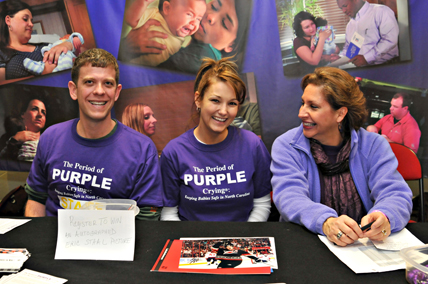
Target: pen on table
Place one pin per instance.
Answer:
(366, 227)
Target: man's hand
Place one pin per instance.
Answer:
(387, 139)
(359, 60)
(140, 41)
(372, 128)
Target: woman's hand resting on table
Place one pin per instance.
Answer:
(380, 229)
(344, 231)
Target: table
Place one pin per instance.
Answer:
(302, 258)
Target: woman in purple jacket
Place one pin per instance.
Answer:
(329, 174)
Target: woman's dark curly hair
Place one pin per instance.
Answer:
(300, 17)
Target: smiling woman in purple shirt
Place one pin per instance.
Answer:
(216, 172)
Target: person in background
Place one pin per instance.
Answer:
(399, 126)
(330, 174)
(140, 117)
(216, 172)
(94, 157)
(26, 129)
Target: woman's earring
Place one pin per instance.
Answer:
(340, 127)
(10, 28)
(198, 109)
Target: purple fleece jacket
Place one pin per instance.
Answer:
(296, 184)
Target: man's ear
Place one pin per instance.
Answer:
(118, 89)
(72, 88)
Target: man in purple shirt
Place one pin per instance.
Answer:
(377, 24)
(94, 156)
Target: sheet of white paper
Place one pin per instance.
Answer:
(363, 257)
(341, 61)
(398, 241)
(8, 224)
(28, 276)
(96, 234)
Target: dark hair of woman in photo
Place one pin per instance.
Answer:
(215, 171)
(330, 174)
(23, 131)
(305, 27)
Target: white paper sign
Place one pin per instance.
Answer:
(96, 234)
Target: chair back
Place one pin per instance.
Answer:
(408, 163)
(410, 168)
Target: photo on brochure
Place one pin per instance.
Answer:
(217, 253)
(342, 33)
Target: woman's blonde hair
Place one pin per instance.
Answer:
(133, 116)
(340, 90)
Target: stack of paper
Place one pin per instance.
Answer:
(8, 224)
(30, 276)
(11, 260)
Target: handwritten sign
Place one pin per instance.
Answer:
(93, 234)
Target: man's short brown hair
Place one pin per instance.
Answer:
(96, 57)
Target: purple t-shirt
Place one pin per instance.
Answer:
(73, 170)
(215, 182)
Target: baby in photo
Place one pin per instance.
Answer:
(177, 18)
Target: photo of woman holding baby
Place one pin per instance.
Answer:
(16, 25)
(22, 55)
(310, 55)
